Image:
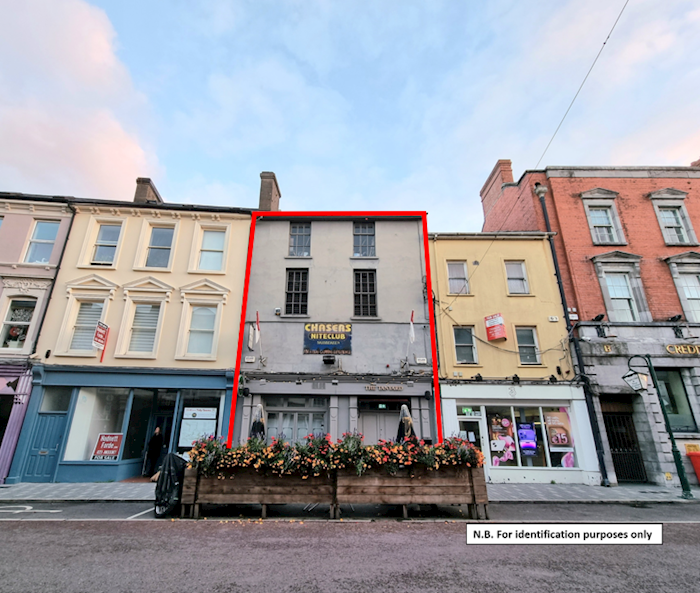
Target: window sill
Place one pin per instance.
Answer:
(521, 294)
(197, 358)
(145, 269)
(469, 365)
(687, 435)
(141, 356)
(531, 365)
(96, 267)
(603, 244)
(363, 257)
(212, 272)
(33, 265)
(78, 354)
(292, 316)
(682, 244)
(298, 257)
(17, 351)
(459, 294)
(366, 318)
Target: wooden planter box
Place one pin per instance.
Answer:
(247, 486)
(448, 485)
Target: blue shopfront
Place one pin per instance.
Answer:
(88, 426)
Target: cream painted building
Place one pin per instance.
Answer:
(507, 382)
(167, 281)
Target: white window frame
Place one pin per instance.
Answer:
(670, 198)
(682, 264)
(145, 291)
(88, 249)
(92, 288)
(372, 255)
(30, 240)
(538, 354)
(523, 270)
(204, 293)
(473, 345)
(465, 277)
(196, 250)
(145, 242)
(620, 262)
(301, 222)
(603, 198)
(31, 326)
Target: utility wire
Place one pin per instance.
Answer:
(510, 211)
(584, 82)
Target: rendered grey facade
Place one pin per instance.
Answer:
(334, 297)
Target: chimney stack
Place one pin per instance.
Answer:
(146, 192)
(491, 192)
(269, 192)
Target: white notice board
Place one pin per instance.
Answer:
(196, 423)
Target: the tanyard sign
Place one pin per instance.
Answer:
(328, 338)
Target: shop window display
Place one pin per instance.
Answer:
(673, 393)
(501, 435)
(98, 411)
(530, 437)
(559, 437)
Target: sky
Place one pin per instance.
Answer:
(355, 105)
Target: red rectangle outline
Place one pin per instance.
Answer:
(244, 303)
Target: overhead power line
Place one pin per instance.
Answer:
(584, 82)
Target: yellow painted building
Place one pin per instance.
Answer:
(167, 281)
(506, 377)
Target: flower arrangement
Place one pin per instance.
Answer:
(318, 454)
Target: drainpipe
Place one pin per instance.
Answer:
(541, 190)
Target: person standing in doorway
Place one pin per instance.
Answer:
(153, 452)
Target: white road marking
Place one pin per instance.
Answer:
(148, 510)
(24, 509)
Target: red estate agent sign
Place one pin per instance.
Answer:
(107, 446)
(495, 328)
(100, 338)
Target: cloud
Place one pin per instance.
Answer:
(65, 99)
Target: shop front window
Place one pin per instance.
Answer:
(501, 435)
(560, 439)
(293, 418)
(673, 394)
(98, 419)
(530, 437)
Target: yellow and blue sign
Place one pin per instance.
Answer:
(328, 338)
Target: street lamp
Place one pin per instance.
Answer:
(638, 382)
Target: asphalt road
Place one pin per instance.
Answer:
(143, 511)
(312, 556)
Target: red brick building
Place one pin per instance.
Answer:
(629, 262)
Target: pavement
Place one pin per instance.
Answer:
(498, 493)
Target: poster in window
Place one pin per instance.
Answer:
(196, 424)
(502, 441)
(107, 446)
(559, 431)
(527, 437)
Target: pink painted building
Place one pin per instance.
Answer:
(33, 231)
